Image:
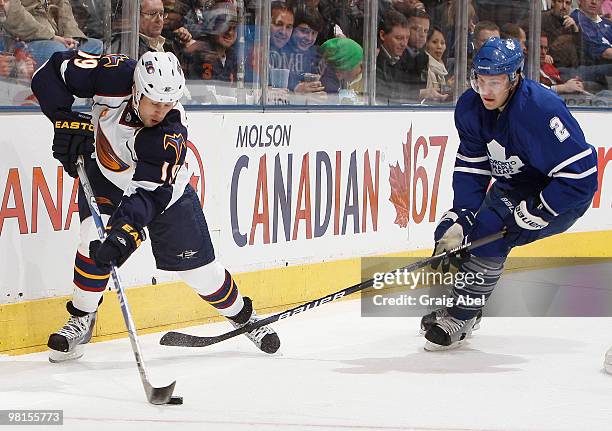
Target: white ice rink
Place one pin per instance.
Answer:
(337, 371)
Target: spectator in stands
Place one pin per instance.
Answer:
(444, 16)
(152, 15)
(596, 33)
(47, 27)
(328, 10)
(214, 57)
(436, 70)
(398, 76)
(551, 77)
(350, 19)
(418, 24)
(89, 15)
(483, 31)
(407, 6)
(595, 49)
(343, 66)
(178, 40)
(302, 55)
(396, 80)
(281, 28)
(562, 31)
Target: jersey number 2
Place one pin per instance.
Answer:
(560, 131)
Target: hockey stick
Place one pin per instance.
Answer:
(155, 395)
(185, 340)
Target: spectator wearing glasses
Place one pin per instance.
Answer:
(152, 15)
(47, 26)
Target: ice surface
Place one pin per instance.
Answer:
(337, 371)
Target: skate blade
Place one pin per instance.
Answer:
(58, 357)
(432, 347)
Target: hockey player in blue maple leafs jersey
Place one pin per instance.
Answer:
(134, 145)
(522, 135)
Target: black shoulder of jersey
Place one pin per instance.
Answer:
(166, 142)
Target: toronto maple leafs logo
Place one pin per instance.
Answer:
(500, 165)
(510, 44)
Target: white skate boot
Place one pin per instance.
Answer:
(264, 337)
(68, 343)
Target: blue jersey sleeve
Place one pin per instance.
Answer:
(75, 73)
(558, 149)
(472, 173)
(161, 153)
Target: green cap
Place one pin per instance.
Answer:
(342, 54)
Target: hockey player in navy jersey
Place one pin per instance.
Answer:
(522, 135)
(134, 149)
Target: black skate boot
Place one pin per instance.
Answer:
(68, 343)
(448, 333)
(428, 320)
(264, 337)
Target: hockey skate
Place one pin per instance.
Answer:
(264, 337)
(69, 342)
(428, 320)
(448, 333)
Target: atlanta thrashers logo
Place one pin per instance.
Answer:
(176, 141)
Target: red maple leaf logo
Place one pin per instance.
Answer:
(399, 180)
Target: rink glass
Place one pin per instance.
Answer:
(245, 28)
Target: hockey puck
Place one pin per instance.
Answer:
(175, 400)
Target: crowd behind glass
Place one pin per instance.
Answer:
(318, 52)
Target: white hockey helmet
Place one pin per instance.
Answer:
(158, 75)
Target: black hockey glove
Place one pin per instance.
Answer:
(450, 232)
(528, 218)
(74, 136)
(122, 240)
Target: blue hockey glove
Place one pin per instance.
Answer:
(529, 217)
(454, 226)
(119, 244)
(74, 136)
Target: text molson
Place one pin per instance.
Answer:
(276, 135)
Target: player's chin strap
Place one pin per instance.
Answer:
(186, 340)
(155, 395)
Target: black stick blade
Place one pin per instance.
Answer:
(159, 395)
(185, 340)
